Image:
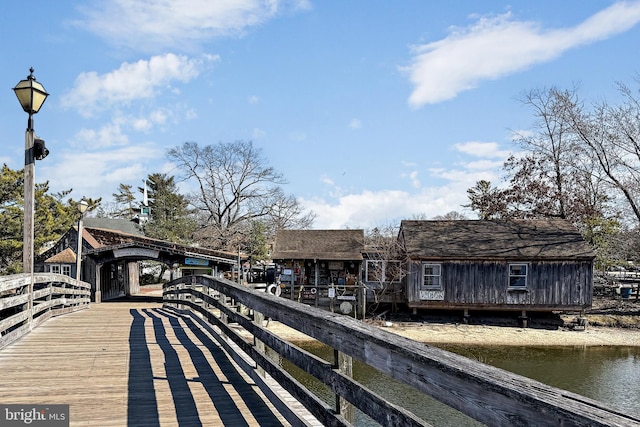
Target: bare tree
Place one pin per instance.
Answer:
(552, 177)
(610, 135)
(234, 186)
(385, 266)
(286, 213)
(451, 216)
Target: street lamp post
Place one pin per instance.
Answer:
(82, 208)
(31, 95)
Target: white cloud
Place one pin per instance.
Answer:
(258, 133)
(413, 178)
(326, 180)
(154, 25)
(132, 81)
(371, 208)
(297, 136)
(253, 100)
(355, 124)
(113, 134)
(495, 47)
(483, 165)
(482, 149)
(98, 173)
(191, 114)
(109, 135)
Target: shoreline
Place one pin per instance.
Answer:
(446, 333)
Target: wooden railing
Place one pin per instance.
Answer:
(487, 394)
(25, 304)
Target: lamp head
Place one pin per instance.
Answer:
(82, 206)
(31, 94)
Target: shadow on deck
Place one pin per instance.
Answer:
(200, 348)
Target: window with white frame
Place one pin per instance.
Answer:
(518, 275)
(393, 271)
(60, 269)
(379, 271)
(374, 270)
(431, 276)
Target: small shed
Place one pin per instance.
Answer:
(320, 267)
(525, 265)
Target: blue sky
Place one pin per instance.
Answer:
(374, 110)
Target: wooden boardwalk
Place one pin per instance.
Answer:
(131, 364)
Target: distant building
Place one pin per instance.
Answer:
(112, 250)
(518, 265)
(320, 267)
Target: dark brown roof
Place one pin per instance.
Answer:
(516, 239)
(113, 239)
(337, 245)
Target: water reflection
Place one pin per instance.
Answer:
(606, 374)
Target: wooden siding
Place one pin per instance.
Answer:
(484, 285)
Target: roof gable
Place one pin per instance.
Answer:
(489, 239)
(339, 245)
(68, 256)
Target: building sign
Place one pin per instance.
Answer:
(335, 265)
(135, 252)
(196, 261)
(432, 295)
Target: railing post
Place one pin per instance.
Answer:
(344, 364)
(30, 289)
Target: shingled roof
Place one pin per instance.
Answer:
(330, 245)
(68, 256)
(115, 224)
(108, 240)
(482, 239)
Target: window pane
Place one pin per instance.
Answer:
(518, 275)
(393, 271)
(518, 270)
(374, 271)
(517, 281)
(55, 269)
(66, 269)
(431, 276)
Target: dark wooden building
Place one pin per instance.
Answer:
(520, 265)
(320, 267)
(112, 251)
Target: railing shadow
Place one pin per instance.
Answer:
(143, 403)
(142, 407)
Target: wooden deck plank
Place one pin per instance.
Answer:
(132, 364)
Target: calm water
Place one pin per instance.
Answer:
(606, 374)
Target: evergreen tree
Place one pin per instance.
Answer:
(170, 218)
(125, 201)
(52, 218)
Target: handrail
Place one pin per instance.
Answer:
(24, 307)
(483, 392)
